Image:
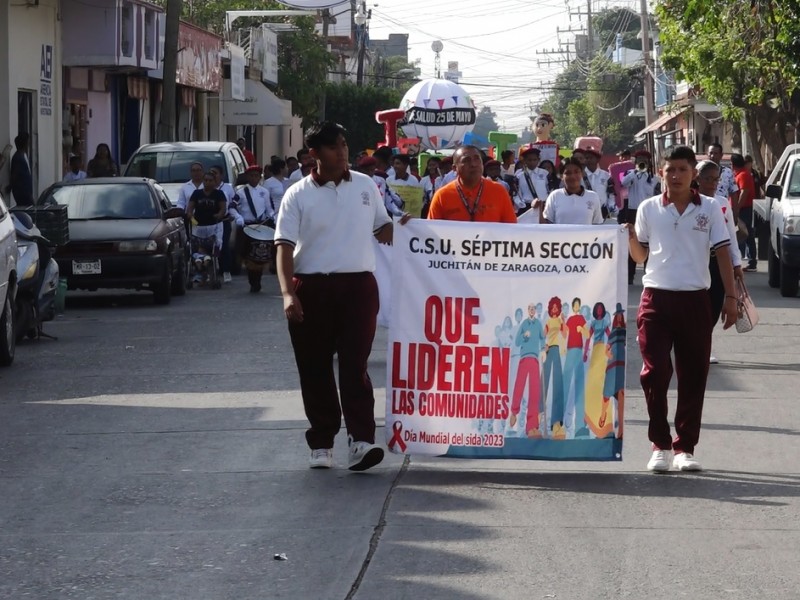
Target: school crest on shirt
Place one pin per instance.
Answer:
(589, 205)
(365, 198)
(701, 222)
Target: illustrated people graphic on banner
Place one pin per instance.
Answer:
(553, 377)
(596, 402)
(575, 373)
(530, 340)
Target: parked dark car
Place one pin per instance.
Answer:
(121, 235)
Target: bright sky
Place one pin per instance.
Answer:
(495, 43)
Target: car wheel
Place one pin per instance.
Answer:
(8, 341)
(180, 280)
(163, 291)
(790, 280)
(773, 268)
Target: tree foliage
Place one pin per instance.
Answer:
(355, 108)
(741, 55)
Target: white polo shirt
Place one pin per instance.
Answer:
(598, 183)
(331, 227)
(725, 205)
(187, 189)
(526, 195)
(276, 191)
(563, 208)
(680, 245)
(392, 181)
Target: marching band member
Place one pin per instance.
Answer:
(255, 207)
(599, 181)
(531, 183)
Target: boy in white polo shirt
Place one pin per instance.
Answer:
(325, 266)
(676, 232)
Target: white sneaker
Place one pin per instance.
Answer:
(321, 458)
(713, 360)
(226, 277)
(363, 455)
(684, 461)
(659, 462)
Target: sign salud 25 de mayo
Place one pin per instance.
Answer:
(507, 341)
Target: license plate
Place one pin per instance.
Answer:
(86, 267)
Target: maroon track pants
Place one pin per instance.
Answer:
(339, 317)
(679, 321)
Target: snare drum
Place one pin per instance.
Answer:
(258, 244)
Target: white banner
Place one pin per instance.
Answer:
(238, 63)
(269, 57)
(507, 341)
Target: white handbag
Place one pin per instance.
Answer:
(748, 315)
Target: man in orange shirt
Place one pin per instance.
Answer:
(472, 197)
(744, 179)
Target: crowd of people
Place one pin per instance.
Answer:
(689, 223)
(325, 264)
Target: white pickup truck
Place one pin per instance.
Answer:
(781, 210)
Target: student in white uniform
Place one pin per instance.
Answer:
(402, 175)
(196, 171)
(678, 230)
(707, 180)
(254, 207)
(430, 182)
(277, 184)
(531, 184)
(573, 204)
(642, 183)
(391, 201)
(599, 181)
(303, 159)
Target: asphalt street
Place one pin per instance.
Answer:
(158, 453)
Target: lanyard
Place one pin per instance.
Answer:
(474, 208)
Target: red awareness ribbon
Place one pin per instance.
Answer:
(397, 438)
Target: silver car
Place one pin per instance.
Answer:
(168, 163)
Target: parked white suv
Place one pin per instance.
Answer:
(168, 162)
(8, 284)
(783, 216)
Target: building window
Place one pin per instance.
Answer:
(150, 35)
(126, 33)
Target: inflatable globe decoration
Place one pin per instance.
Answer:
(438, 112)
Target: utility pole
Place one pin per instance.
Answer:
(649, 93)
(589, 30)
(361, 19)
(166, 123)
(326, 20)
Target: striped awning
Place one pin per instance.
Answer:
(137, 87)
